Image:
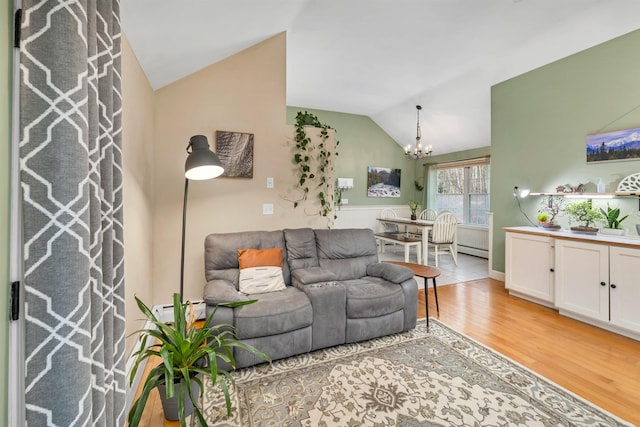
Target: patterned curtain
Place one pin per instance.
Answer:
(71, 180)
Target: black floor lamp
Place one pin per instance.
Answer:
(201, 164)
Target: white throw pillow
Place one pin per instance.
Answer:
(260, 270)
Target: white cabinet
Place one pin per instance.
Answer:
(529, 266)
(582, 278)
(598, 282)
(624, 287)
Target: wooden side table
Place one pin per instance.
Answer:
(426, 273)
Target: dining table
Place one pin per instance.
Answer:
(422, 224)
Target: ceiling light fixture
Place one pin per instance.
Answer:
(417, 152)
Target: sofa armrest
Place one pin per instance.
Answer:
(391, 272)
(311, 275)
(220, 291)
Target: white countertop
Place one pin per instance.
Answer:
(633, 241)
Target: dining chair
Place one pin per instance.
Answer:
(388, 227)
(428, 214)
(443, 234)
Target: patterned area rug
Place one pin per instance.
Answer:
(439, 378)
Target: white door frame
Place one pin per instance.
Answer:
(15, 386)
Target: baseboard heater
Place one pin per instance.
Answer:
(473, 240)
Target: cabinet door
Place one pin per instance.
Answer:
(624, 287)
(528, 264)
(582, 278)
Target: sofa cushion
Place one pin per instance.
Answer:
(274, 313)
(391, 272)
(260, 270)
(306, 276)
(372, 297)
(221, 253)
(301, 248)
(346, 252)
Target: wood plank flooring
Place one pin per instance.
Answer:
(600, 366)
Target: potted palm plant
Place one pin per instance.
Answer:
(187, 354)
(612, 216)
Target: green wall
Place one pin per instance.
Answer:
(539, 124)
(6, 23)
(363, 143)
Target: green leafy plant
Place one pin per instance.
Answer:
(552, 206)
(413, 206)
(583, 213)
(543, 217)
(319, 178)
(611, 216)
(186, 353)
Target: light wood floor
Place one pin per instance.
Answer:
(597, 365)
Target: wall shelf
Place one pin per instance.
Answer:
(593, 195)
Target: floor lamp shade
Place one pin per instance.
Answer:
(201, 164)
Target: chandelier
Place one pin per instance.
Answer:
(417, 152)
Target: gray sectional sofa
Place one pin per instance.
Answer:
(336, 291)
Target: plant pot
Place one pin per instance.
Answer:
(170, 406)
(613, 231)
(584, 230)
(551, 226)
(413, 217)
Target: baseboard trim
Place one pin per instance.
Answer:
(132, 387)
(497, 275)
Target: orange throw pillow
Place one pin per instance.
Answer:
(260, 270)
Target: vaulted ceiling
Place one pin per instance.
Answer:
(380, 58)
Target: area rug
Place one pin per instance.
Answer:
(418, 378)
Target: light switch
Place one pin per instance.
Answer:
(267, 209)
(269, 182)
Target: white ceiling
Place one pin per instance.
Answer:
(380, 58)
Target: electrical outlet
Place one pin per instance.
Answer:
(344, 201)
(269, 182)
(267, 209)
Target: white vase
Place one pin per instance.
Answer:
(613, 231)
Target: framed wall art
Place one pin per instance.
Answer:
(615, 145)
(383, 182)
(235, 151)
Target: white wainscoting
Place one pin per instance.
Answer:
(365, 216)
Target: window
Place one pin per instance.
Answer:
(463, 188)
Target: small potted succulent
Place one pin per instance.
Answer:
(413, 206)
(584, 214)
(612, 216)
(543, 218)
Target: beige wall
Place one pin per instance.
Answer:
(243, 93)
(138, 146)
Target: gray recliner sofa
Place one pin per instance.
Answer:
(336, 291)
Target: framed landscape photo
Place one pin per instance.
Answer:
(383, 182)
(235, 151)
(614, 145)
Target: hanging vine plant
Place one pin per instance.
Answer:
(314, 164)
